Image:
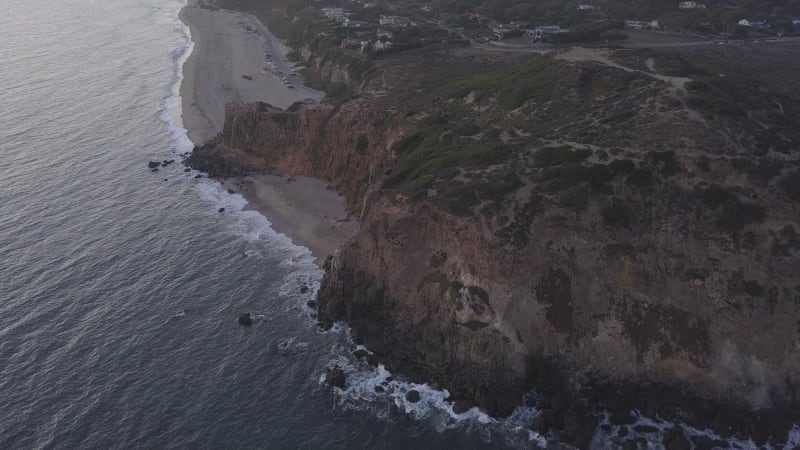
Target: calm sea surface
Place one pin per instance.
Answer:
(120, 288)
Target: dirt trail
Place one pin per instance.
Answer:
(579, 54)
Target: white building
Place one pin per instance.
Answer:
(336, 14)
(753, 23)
(395, 21)
(642, 24)
(587, 7)
(690, 5)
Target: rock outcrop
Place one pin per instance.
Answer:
(687, 298)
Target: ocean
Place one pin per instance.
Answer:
(120, 287)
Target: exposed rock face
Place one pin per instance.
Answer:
(317, 140)
(665, 314)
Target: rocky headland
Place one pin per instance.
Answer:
(617, 229)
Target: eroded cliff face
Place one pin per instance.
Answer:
(667, 308)
(346, 145)
(427, 292)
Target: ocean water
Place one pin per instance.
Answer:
(120, 287)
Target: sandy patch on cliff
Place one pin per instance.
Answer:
(229, 46)
(303, 209)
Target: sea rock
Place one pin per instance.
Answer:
(707, 443)
(154, 170)
(221, 210)
(544, 422)
(379, 389)
(360, 353)
(336, 377)
(231, 191)
(153, 164)
(645, 429)
(187, 170)
(413, 396)
(622, 417)
(246, 319)
(312, 304)
(303, 289)
(461, 406)
(675, 439)
(199, 175)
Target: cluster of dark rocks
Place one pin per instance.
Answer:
(336, 377)
(154, 165)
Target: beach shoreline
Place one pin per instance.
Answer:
(235, 59)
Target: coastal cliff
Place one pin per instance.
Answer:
(615, 238)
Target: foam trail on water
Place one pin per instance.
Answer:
(377, 390)
(170, 108)
(251, 225)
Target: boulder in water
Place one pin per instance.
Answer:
(222, 210)
(675, 439)
(360, 353)
(303, 289)
(461, 406)
(312, 304)
(335, 377)
(153, 164)
(413, 396)
(246, 319)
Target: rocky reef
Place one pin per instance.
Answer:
(607, 237)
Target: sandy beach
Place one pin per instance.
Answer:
(237, 60)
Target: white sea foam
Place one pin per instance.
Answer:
(250, 225)
(362, 380)
(170, 107)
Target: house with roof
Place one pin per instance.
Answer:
(642, 24)
(336, 14)
(691, 5)
(395, 21)
(540, 33)
(754, 23)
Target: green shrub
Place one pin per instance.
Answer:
(362, 142)
(786, 241)
(616, 214)
(703, 164)
(668, 161)
(641, 178)
(735, 215)
(617, 118)
(622, 166)
(753, 289)
(437, 278)
(499, 186)
(716, 196)
(467, 129)
(791, 185)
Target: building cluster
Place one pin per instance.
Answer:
(642, 25)
(691, 5)
(395, 21)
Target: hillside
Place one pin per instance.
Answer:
(601, 225)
